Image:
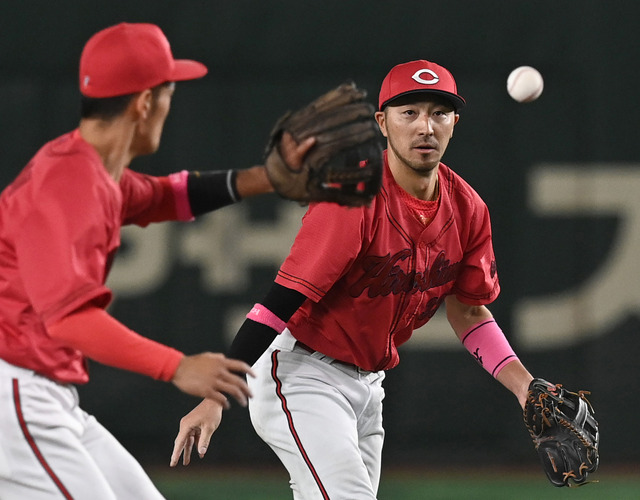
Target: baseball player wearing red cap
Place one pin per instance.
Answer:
(60, 225)
(355, 285)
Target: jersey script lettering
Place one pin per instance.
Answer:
(383, 276)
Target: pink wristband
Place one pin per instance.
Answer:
(179, 185)
(261, 314)
(486, 342)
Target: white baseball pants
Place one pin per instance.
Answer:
(322, 418)
(51, 449)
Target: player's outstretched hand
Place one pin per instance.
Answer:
(343, 166)
(209, 375)
(292, 152)
(254, 180)
(196, 429)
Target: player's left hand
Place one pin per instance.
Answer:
(345, 163)
(254, 180)
(196, 429)
(564, 431)
(292, 152)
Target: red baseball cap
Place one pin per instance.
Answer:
(129, 58)
(419, 76)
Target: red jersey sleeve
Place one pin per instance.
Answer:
(104, 339)
(147, 199)
(328, 242)
(477, 283)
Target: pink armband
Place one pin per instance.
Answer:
(179, 185)
(261, 314)
(486, 342)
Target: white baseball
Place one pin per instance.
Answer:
(525, 84)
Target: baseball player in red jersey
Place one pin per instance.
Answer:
(60, 226)
(355, 285)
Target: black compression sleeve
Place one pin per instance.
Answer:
(211, 190)
(253, 338)
(251, 341)
(283, 301)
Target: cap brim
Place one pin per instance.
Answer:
(457, 101)
(186, 69)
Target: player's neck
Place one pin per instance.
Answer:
(112, 141)
(422, 184)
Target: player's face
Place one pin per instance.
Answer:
(418, 129)
(149, 130)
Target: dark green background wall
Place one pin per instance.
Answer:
(267, 56)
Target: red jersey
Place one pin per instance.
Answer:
(60, 225)
(374, 274)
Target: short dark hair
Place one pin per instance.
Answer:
(104, 108)
(107, 108)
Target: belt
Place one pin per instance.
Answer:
(304, 346)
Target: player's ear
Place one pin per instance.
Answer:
(455, 121)
(382, 124)
(142, 104)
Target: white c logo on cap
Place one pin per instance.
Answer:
(417, 76)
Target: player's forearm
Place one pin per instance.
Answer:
(251, 341)
(515, 377)
(253, 181)
(257, 333)
(210, 190)
(102, 338)
(486, 342)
